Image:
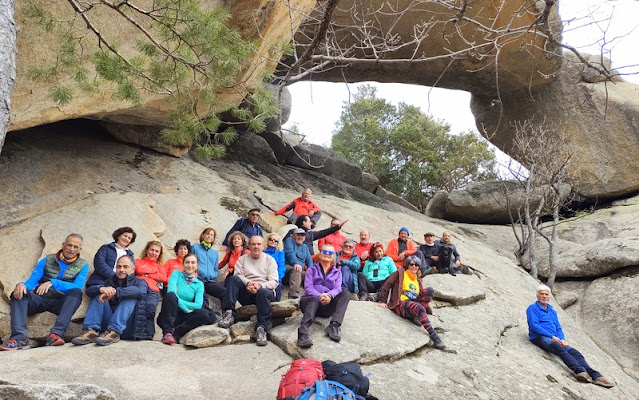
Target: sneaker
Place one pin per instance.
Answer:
(437, 342)
(168, 338)
(107, 337)
(54, 340)
(15, 344)
(601, 381)
(304, 342)
(583, 377)
(363, 296)
(373, 297)
(227, 319)
(87, 337)
(260, 336)
(333, 331)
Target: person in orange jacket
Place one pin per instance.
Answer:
(302, 206)
(400, 248)
(149, 267)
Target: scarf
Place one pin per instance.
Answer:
(60, 257)
(206, 245)
(188, 278)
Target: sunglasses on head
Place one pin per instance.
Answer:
(329, 252)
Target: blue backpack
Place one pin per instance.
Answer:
(327, 390)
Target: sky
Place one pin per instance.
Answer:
(317, 106)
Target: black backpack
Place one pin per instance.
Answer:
(348, 374)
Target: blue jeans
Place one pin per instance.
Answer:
(569, 355)
(105, 315)
(32, 303)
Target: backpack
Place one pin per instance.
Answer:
(327, 390)
(348, 374)
(302, 373)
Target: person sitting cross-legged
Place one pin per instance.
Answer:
(254, 282)
(54, 285)
(376, 270)
(113, 306)
(182, 307)
(323, 297)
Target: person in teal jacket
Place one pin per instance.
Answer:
(376, 270)
(182, 308)
(208, 266)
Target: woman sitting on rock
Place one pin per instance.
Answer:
(238, 246)
(274, 249)
(150, 268)
(349, 263)
(408, 298)
(324, 297)
(376, 270)
(207, 269)
(182, 248)
(182, 306)
(108, 254)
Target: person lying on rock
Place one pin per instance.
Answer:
(254, 282)
(113, 309)
(544, 330)
(449, 261)
(304, 222)
(428, 254)
(400, 248)
(323, 297)
(408, 298)
(302, 206)
(298, 260)
(55, 285)
(363, 247)
(182, 248)
(150, 268)
(376, 270)
(108, 254)
(248, 226)
(349, 263)
(182, 306)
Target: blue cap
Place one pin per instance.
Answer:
(404, 229)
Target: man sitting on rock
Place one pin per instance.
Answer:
(298, 260)
(363, 248)
(449, 261)
(112, 307)
(400, 248)
(545, 331)
(253, 282)
(55, 285)
(428, 254)
(248, 226)
(302, 206)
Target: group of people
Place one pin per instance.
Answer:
(124, 291)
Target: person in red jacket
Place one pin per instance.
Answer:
(150, 268)
(363, 248)
(302, 206)
(335, 239)
(400, 248)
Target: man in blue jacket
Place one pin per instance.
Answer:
(545, 331)
(54, 285)
(249, 226)
(298, 259)
(113, 305)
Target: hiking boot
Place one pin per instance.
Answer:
(373, 297)
(333, 331)
(260, 336)
(304, 342)
(15, 344)
(583, 377)
(87, 337)
(227, 319)
(363, 296)
(437, 342)
(168, 338)
(107, 337)
(601, 381)
(54, 340)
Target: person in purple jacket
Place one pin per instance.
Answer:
(324, 297)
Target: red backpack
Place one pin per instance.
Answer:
(302, 373)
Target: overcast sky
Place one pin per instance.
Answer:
(318, 105)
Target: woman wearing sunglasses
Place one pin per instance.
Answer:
(324, 297)
(274, 249)
(408, 298)
(376, 270)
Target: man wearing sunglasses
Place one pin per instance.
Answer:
(249, 226)
(298, 260)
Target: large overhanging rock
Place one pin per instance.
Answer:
(265, 21)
